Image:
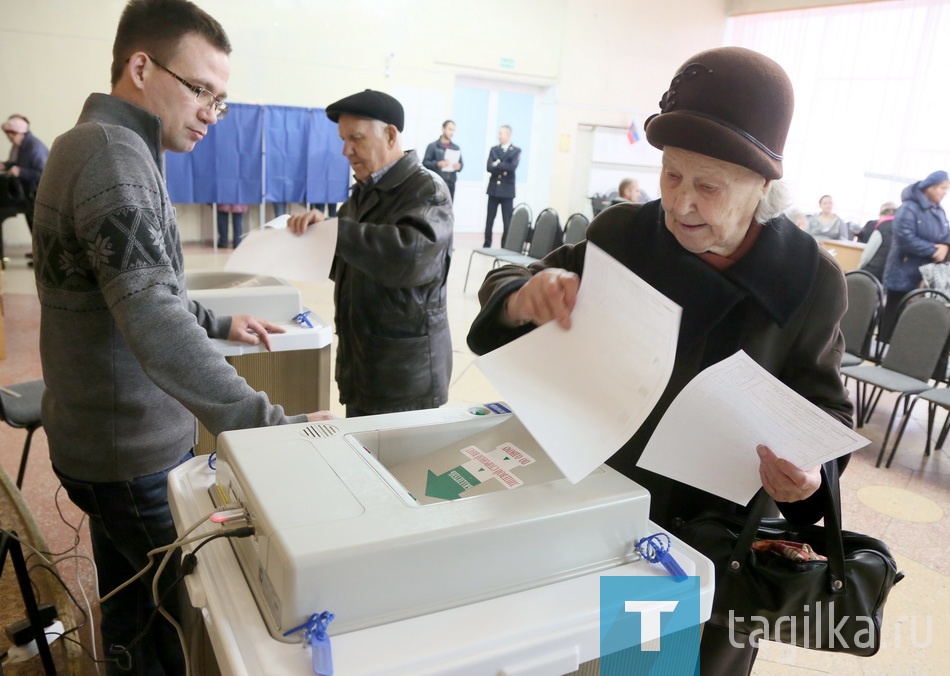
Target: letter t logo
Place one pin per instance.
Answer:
(650, 612)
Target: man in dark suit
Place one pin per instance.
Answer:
(435, 157)
(502, 161)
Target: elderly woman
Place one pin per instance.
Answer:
(921, 235)
(745, 279)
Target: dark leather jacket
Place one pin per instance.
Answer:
(391, 265)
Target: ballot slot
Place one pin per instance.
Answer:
(496, 454)
(440, 463)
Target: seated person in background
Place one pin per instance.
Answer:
(628, 191)
(393, 250)
(27, 160)
(825, 224)
(878, 241)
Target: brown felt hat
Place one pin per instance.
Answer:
(729, 103)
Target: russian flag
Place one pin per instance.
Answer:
(632, 135)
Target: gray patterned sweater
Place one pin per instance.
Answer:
(126, 356)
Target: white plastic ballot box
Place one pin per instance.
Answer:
(445, 541)
(296, 372)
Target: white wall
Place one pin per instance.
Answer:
(605, 60)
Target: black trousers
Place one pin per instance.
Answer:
(506, 207)
(451, 187)
(889, 318)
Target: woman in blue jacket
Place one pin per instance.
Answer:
(921, 235)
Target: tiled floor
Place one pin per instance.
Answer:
(907, 505)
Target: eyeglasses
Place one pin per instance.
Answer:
(204, 98)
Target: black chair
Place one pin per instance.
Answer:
(865, 300)
(544, 240)
(20, 408)
(917, 349)
(575, 230)
(519, 229)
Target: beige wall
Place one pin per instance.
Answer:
(607, 60)
(734, 7)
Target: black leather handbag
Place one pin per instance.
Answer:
(835, 605)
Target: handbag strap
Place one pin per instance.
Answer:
(834, 543)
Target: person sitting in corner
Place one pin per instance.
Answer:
(234, 213)
(26, 163)
(628, 191)
(393, 249)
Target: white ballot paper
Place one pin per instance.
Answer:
(708, 435)
(276, 251)
(451, 156)
(582, 393)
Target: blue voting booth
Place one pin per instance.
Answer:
(262, 154)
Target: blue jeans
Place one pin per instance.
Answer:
(126, 520)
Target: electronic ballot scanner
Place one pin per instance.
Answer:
(388, 517)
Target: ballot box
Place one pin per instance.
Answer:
(444, 541)
(296, 372)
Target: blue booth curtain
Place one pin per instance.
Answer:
(286, 131)
(328, 172)
(304, 160)
(228, 162)
(180, 177)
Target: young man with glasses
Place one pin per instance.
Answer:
(126, 356)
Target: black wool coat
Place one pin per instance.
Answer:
(781, 303)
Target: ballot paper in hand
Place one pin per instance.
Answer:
(583, 392)
(276, 251)
(451, 156)
(708, 436)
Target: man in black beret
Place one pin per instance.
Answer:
(393, 251)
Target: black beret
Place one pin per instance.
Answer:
(371, 104)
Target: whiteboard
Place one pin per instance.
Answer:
(610, 146)
(614, 158)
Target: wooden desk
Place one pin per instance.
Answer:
(847, 253)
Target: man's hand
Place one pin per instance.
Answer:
(441, 164)
(457, 166)
(783, 480)
(496, 163)
(14, 171)
(317, 416)
(248, 329)
(298, 223)
(548, 295)
(940, 255)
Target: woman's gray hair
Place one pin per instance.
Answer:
(777, 199)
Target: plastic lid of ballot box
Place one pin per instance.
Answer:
(264, 297)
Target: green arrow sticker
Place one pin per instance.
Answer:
(450, 485)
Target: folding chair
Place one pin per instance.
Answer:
(518, 230)
(918, 347)
(20, 408)
(575, 230)
(865, 299)
(543, 240)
